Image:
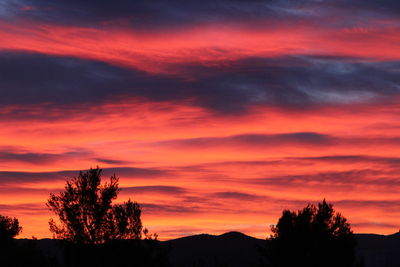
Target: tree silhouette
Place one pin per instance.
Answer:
(86, 213)
(9, 228)
(312, 237)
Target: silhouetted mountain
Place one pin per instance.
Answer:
(379, 250)
(236, 249)
(229, 249)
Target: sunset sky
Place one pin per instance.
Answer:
(216, 114)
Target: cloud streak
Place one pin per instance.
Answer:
(14, 177)
(158, 189)
(258, 140)
(40, 158)
(286, 82)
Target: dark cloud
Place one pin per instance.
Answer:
(161, 189)
(371, 7)
(135, 172)
(379, 204)
(237, 196)
(157, 14)
(257, 140)
(40, 158)
(151, 208)
(344, 179)
(189, 207)
(291, 82)
(112, 161)
(350, 159)
(76, 86)
(10, 177)
(307, 161)
(23, 209)
(34, 78)
(22, 206)
(143, 14)
(6, 190)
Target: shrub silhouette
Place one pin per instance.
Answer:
(87, 215)
(9, 228)
(312, 237)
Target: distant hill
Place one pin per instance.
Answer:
(235, 249)
(379, 250)
(230, 249)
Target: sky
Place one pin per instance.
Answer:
(216, 115)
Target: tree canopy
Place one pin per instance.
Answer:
(86, 213)
(9, 228)
(312, 237)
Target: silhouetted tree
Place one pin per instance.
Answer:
(86, 212)
(9, 228)
(312, 237)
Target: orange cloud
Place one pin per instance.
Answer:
(206, 44)
(241, 184)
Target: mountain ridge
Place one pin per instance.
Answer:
(235, 249)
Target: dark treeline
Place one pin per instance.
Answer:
(92, 231)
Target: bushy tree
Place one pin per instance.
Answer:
(87, 215)
(312, 237)
(9, 228)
